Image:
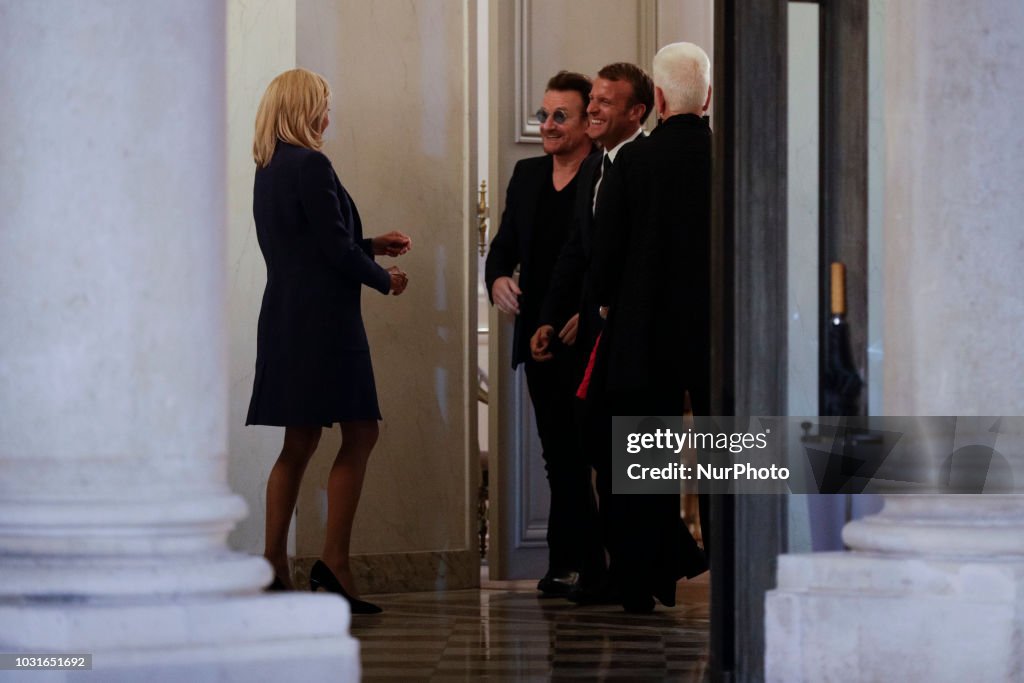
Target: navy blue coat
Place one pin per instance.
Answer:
(312, 356)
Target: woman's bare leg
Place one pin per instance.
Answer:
(283, 491)
(344, 485)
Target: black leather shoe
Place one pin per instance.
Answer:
(557, 585)
(638, 604)
(594, 595)
(666, 593)
(322, 578)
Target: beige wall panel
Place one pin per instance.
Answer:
(398, 141)
(562, 34)
(692, 21)
(689, 20)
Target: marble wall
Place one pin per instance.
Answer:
(802, 208)
(931, 589)
(954, 315)
(261, 44)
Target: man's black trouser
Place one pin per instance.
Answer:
(573, 535)
(649, 545)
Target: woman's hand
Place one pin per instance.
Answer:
(393, 243)
(399, 280)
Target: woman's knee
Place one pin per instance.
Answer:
(300, 442)
(362, 434)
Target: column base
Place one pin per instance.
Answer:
(262, 637)
(861, 617)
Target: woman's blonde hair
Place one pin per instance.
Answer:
(291, 110)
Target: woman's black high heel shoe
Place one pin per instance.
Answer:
(276, 585)
(322, 577)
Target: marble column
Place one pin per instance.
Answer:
(114, 504)
(933, 589)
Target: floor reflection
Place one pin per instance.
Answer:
(504, 632)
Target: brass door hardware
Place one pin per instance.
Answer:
(481, 216)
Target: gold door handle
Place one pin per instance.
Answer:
(481, 217)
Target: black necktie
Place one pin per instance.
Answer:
(602, 172)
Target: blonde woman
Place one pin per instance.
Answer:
(312, 357)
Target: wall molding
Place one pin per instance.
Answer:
(530, 532)
(527, 130)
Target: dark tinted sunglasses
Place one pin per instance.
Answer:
(559, 117)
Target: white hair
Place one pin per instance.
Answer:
(683, 72)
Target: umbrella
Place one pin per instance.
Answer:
(841, 391)
(842, 382)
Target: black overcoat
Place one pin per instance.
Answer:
(652, 265)
(512, 245)
(312, 356)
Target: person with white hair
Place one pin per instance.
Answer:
(682, 74)
(652, 279)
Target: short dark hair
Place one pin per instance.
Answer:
(643, 86)
(565, 81)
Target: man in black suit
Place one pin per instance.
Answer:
(651, 276)
(620, 101)
(534, 226)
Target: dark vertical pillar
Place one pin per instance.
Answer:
(844, 172)
(723, 626)
(749, 249)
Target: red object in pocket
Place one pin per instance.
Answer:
(581, 392)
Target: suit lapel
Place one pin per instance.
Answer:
(588, 224)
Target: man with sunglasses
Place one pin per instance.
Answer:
(538, 212)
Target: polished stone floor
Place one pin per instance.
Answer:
(504, 632)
